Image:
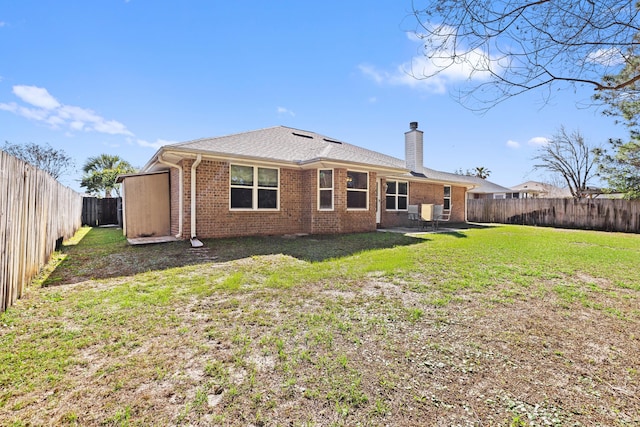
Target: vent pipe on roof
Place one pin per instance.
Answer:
(413, 148)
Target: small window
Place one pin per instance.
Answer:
(357, 190)
(325, 189)
(254, 187)
(447, 197)
(397, 195)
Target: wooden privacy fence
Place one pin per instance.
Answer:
(590, 214)
(36, 213)
(96, 212)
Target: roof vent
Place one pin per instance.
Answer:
(413, 125)
(302, 135)
(332, 141)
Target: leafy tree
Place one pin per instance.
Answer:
(481, 172)
(620, 166)
(621, 169)
(100, 173)
(514, 46)
(55, 162)
(570, 157)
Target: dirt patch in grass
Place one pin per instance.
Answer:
(333, 349)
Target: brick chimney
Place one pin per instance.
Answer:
(413, 148)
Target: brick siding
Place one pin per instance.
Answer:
(419, 193)
(298, 211)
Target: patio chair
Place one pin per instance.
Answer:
(413, 215)
(440, 214)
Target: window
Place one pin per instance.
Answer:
(325, 189)
(254, 188)
(397, 195)
(447, 197)
(357, 190)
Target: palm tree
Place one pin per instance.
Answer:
(481, 172)
(100, 173)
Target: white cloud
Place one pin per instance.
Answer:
(372, 100)
(433, 74)
(2, 24)
(36, 96)
(76, 125)
(111, 127)
(538, 140)
(374, 74)
(513, 144)
(606, 57)
(159, 143)
(10, 107)
(43, 107)
(282, 110)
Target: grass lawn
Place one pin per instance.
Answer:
(504, 325)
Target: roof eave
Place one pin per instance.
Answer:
(325, 162)
(322, 162)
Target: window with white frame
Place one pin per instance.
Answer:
(357, 190)
(254, 187)
(447, 197)
(397, 195)
(325, 189)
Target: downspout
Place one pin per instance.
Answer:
(180, 191)
(466, 205)
(195, 243)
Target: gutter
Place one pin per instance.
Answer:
(195, 243)
(180, 191)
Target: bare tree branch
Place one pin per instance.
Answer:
(513, 46)
(569, 156)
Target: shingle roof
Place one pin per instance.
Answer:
(548, 190)
(486, 187)
(285, 144)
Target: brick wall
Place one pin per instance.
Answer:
(458, 204)
(424, 193)
(174, 197)
(298, 211)
(339, 220)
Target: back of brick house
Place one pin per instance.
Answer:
(281, 180)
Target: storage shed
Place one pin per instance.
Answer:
(146, 204)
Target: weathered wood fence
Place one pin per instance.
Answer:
(590, 214)
(36, 213)
(96, 212)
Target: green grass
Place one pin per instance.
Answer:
(340, 327)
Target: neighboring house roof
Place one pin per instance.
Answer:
(486, 187)
(542, 189)
(288, 145)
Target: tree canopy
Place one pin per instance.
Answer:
(621, 168)
(51, 160)
(100, 174)
(620, 162)
(513, 46)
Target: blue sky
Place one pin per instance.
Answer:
(122, 77)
